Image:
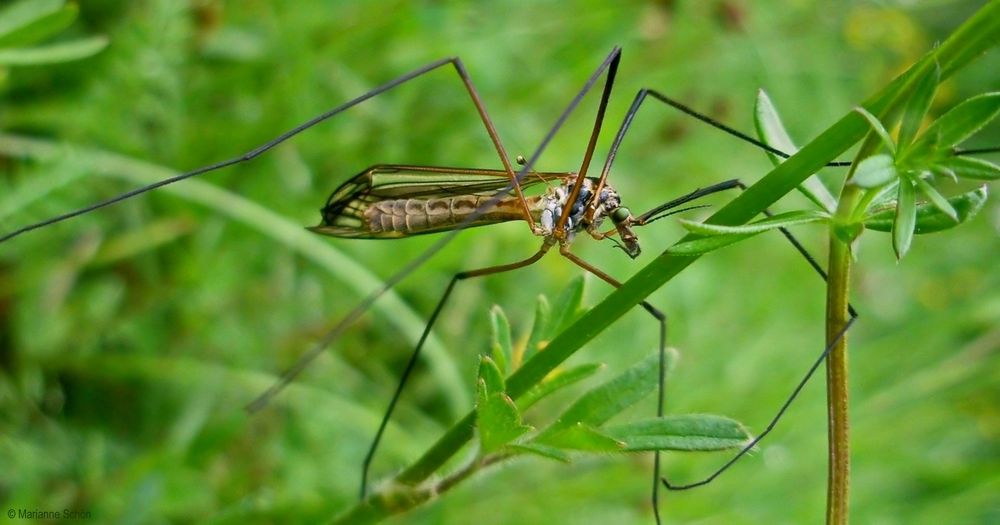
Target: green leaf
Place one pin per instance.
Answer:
(556, 381)
(781, 220)
(930, 219)
(19, 15)
(498, 419)
(703, 245)
(502, 349)
(771, 131)
(878, 128)
(936, 198)
(581, 436)
(491, 376)
(961, 121)
(544, 451)
(566, 308)
(969, 168)
(690, 432)
(875, 171)
(917, 105)
(538, 337)
(611, 398)
(906, 218)
(47, 25)
(53, 53)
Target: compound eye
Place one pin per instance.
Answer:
(620, 214)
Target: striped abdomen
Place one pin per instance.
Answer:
(414, 216)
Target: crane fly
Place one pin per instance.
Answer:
(396, 201)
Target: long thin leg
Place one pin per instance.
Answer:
(254, 153)
(352, 316)
(805, 379)
(609, 83)
(412, 362)
(661, 318)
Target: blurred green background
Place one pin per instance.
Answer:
(131, 339)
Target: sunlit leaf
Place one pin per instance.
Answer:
(581, 436)
(781, 220)
(918, 104)
(497, 418)
(970, 168)
(930, 219)
(703, 432)
(906, 218)
(936, 198)
(46, 24)
(961, 121)
(875, 171)
(53, 53)
(771, 131)
(502, 349)
(878, 128)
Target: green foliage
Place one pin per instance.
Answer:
(131, 338)
(26, 23)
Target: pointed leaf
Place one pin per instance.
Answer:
(491, 376)
(502, 349)
(791, 218)
(557, 380)
(961, 121)
(498, 419)
(936, 198)
(581, 437)
(875, 171)
(611, 398)
(918, 104)
(18, 15)
(970, 168)
(906, 219)
(538, 338)
(771, 131)
(702, 432)
(53, 53)
(48, 24)
(704, 245)
(566, 307)
(929, 218)
(878, 128)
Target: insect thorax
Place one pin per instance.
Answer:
(553, 202)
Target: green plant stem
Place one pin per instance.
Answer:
(837, 317)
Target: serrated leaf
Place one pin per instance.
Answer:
(581, 436)
(538, 336)
(53, 53)
(936, 198)
(556, 381)
(929, 218)
(878, 128)
(970, 168)
(544, 451)
(791, 218)
(491, 375)
(875, 171)
(18, 15)
(918, 104)
(47, 25)
(566, 307)
(961, 121)
(690, 432)
(906, 219)
(704, 245)
(502, 349)
(611, 398)
(771, 131)
(498, 419)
